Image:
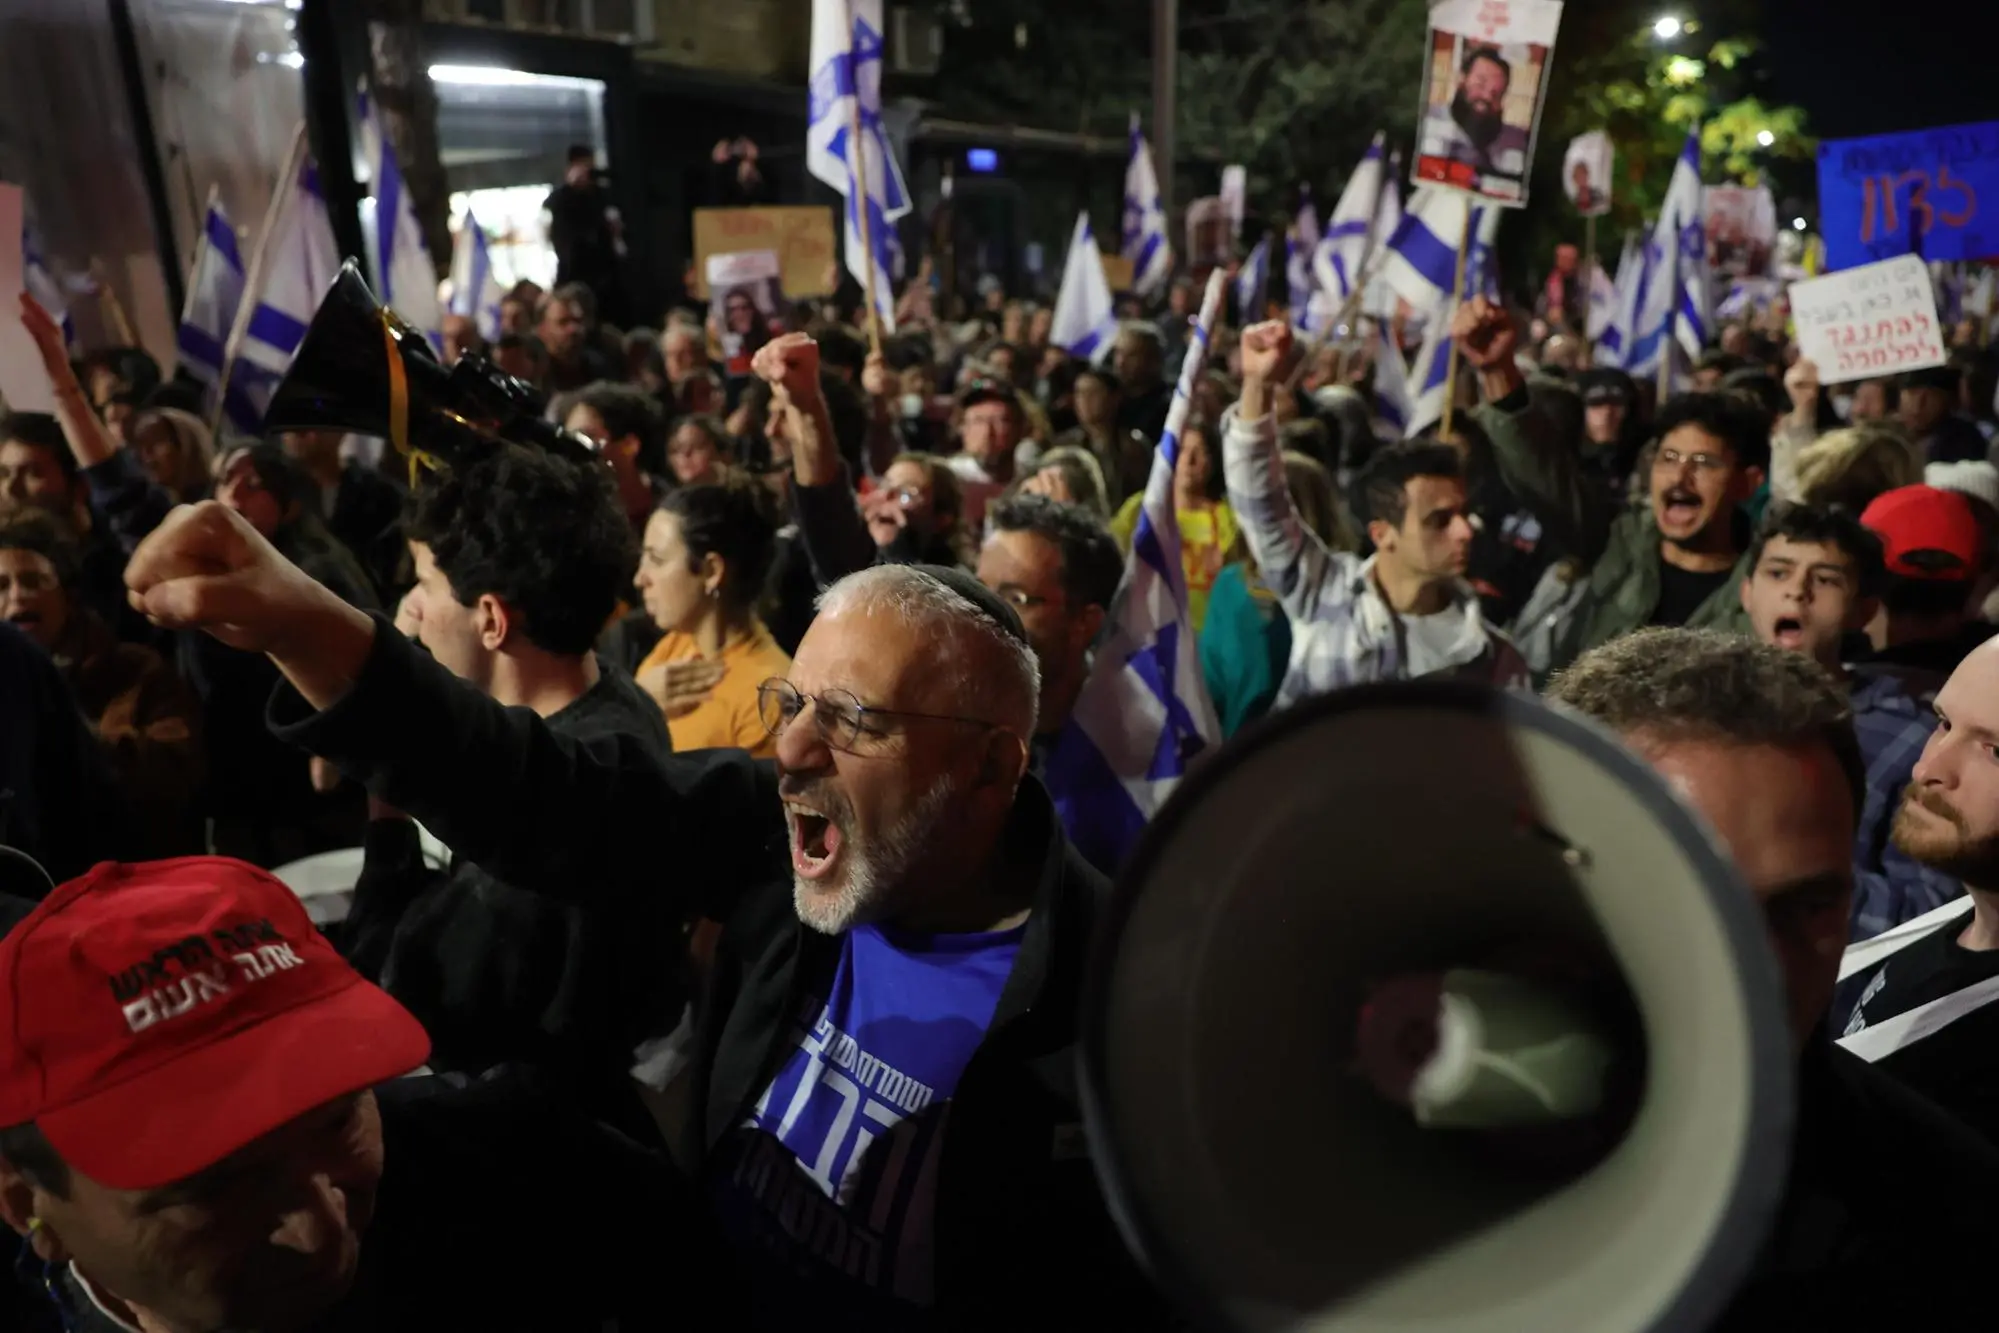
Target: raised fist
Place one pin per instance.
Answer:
(791, 363)
(1485, 333)
(1265, 348)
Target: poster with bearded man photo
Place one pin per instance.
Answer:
(1486, 78)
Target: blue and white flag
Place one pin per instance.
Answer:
(1251, 282)
(405, 277)
(1085, 323)
(300, 261)
(1613, 343)
(1298, 249)
(1674, 303)
(1603, 296)
(1379, 299)
(1393, 402)
(475, 292)
(1430, 377)
(1340, 262)
(1144, 713)
(214, 297)
(1421, 261)
(846, 64)
(1144, 241)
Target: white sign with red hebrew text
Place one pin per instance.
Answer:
(1877, 319)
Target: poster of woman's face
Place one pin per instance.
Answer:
(745, 300)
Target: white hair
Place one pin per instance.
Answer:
(872, 875)
(994, 675)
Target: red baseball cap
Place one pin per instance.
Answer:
(155, 1018)
(1927, 533)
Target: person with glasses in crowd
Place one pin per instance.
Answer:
(884, 1115)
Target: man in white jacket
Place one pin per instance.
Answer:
(1405, 612)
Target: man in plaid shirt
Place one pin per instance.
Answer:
(1408, 611)
(1814, 576)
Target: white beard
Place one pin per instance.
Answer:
(868, 880)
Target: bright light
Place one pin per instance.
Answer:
(1798, 223)
(1766, 138)
(1667, 28)
(496, 76)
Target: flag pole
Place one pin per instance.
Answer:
(1457, 295)
(1589, 285)
(253, 273)
(114, 309)
(857, 167)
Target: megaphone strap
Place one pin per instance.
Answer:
(399, 401)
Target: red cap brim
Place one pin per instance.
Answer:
(189, 1113)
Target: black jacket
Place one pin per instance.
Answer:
(504, 959)
(502, 1210)
(1023, 1239)
(59, 802)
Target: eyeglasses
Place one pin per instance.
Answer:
(1671, 460)
(841, 718)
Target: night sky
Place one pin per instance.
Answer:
(1873, 67)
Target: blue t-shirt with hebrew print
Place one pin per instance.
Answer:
(827, 1188)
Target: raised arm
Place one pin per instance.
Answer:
(127, 498)
(1536, 463)
(822, 496)
(1307, 575)
(538, 809)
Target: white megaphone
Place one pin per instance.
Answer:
(1592, 1127)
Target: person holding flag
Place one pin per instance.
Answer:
(1143, 714)
(1407, 611)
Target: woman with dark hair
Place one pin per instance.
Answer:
(702, 570)
(698, 452)
(1207, 525)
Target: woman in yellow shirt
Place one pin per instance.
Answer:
(1207, 524)
(707, 551)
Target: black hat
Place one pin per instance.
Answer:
(979, 595)
(1933, 377)
(1606, 384)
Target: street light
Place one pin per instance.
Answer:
(1666, 28)
(1798, 223)
(1766, 138)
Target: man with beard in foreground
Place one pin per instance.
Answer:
(1927, 1015)
(904, 925)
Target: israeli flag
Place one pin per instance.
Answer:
(1421, 261)
(1674, 304)
(1380, 298)
(1298, 250)
(1340, 261)
(405, 277)
(300, 261)
(1393, 402)
(475, 292)
(1251, 282)
(1085, 323)
(1613, 343)
(1603, 295)
(846, 65)
(1144, 239)
(1430, 378)
(214, 297)
(1144, 713)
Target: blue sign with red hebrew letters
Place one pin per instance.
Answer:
(1933, 193)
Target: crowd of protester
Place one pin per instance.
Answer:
(738, 747)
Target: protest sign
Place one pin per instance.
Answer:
(1741, 225)
(1877, 319)
(1208, 241)
(1586, 173)
(1235, 199)
(1117, 272)
(801, 237)
(24, 385)
(1485, 81)
(1929, 193)
(745, 298)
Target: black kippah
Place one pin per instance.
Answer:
(979, 595)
